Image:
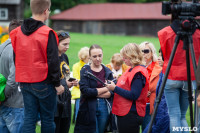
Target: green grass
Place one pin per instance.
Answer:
(110, 43)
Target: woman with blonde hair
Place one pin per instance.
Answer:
(130, 92)
(153, 68)
(83, 55)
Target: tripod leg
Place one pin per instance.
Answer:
(158, 99)
(196, 109)
(189, 81)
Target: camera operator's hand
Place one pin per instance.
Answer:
(60, 89)
(111, 86)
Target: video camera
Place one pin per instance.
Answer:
(181, 8)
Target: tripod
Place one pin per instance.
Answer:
(185, 33)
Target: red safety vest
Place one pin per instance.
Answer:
(121, 106)
(31, 54)
(178, 69)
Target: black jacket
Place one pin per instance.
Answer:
(64, 100)
(31, 25)
(86, 122)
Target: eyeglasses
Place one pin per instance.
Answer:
(63, 34)
(49, 10)
(146, 51)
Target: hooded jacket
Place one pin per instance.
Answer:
(13, 96)
(29, 28)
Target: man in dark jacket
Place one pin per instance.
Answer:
(11, 109)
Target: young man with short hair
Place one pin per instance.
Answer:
(12, 108)
(37, 67)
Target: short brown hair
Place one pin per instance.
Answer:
(14, 24)
(117, 59)
(94, 46)
(39, 6)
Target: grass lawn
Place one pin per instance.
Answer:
(110, 43)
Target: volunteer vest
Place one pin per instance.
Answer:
(31, 54)
(121, 105)
(178, 69)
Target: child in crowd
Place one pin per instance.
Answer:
(117, 65)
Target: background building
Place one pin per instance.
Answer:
(11, 9)
(112, 18)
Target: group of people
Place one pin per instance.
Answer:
(117, 97)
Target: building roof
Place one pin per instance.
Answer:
(112, 11)
(10, 2)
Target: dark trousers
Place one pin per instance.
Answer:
(129, 123)
(62, 124)
(39, 98)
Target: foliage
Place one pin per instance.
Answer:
(3, 34)
(66, 4)
(27, 13)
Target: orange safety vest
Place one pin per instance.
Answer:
(178, 69)
(154, 70)
(31, 54)
(121, 106)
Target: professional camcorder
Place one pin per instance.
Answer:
(181, 8)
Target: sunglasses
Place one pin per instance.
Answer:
(63, 34)
(146, 51)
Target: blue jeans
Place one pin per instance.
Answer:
(11, 119)
(39, 98)
(101, 115)
(176, 94)
(77, 102)
(147, 117)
